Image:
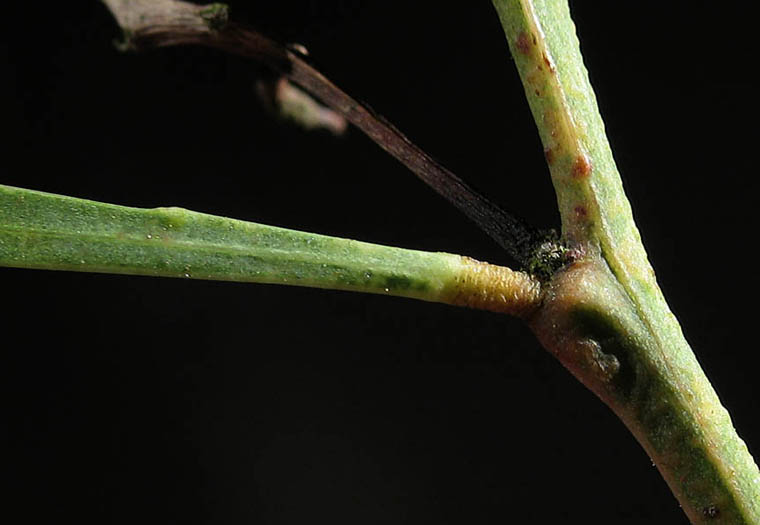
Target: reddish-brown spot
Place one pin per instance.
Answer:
(549, 154)
(538, 93)
(523, 43)
(580, 211)
(581, 167)
(548, 63)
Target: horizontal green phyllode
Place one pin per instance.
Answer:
(42, 230)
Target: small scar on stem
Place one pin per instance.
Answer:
(523, 42)
(548, 63)
(549, 154)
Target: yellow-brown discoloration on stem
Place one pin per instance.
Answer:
(496, 288)
(585, 287)
(588, 321)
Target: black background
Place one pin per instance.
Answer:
(146, 400)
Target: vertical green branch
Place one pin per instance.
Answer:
(606, 318)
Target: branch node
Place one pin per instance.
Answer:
(550, 255)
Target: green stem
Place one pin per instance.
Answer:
(605, 317)
(41, 230)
